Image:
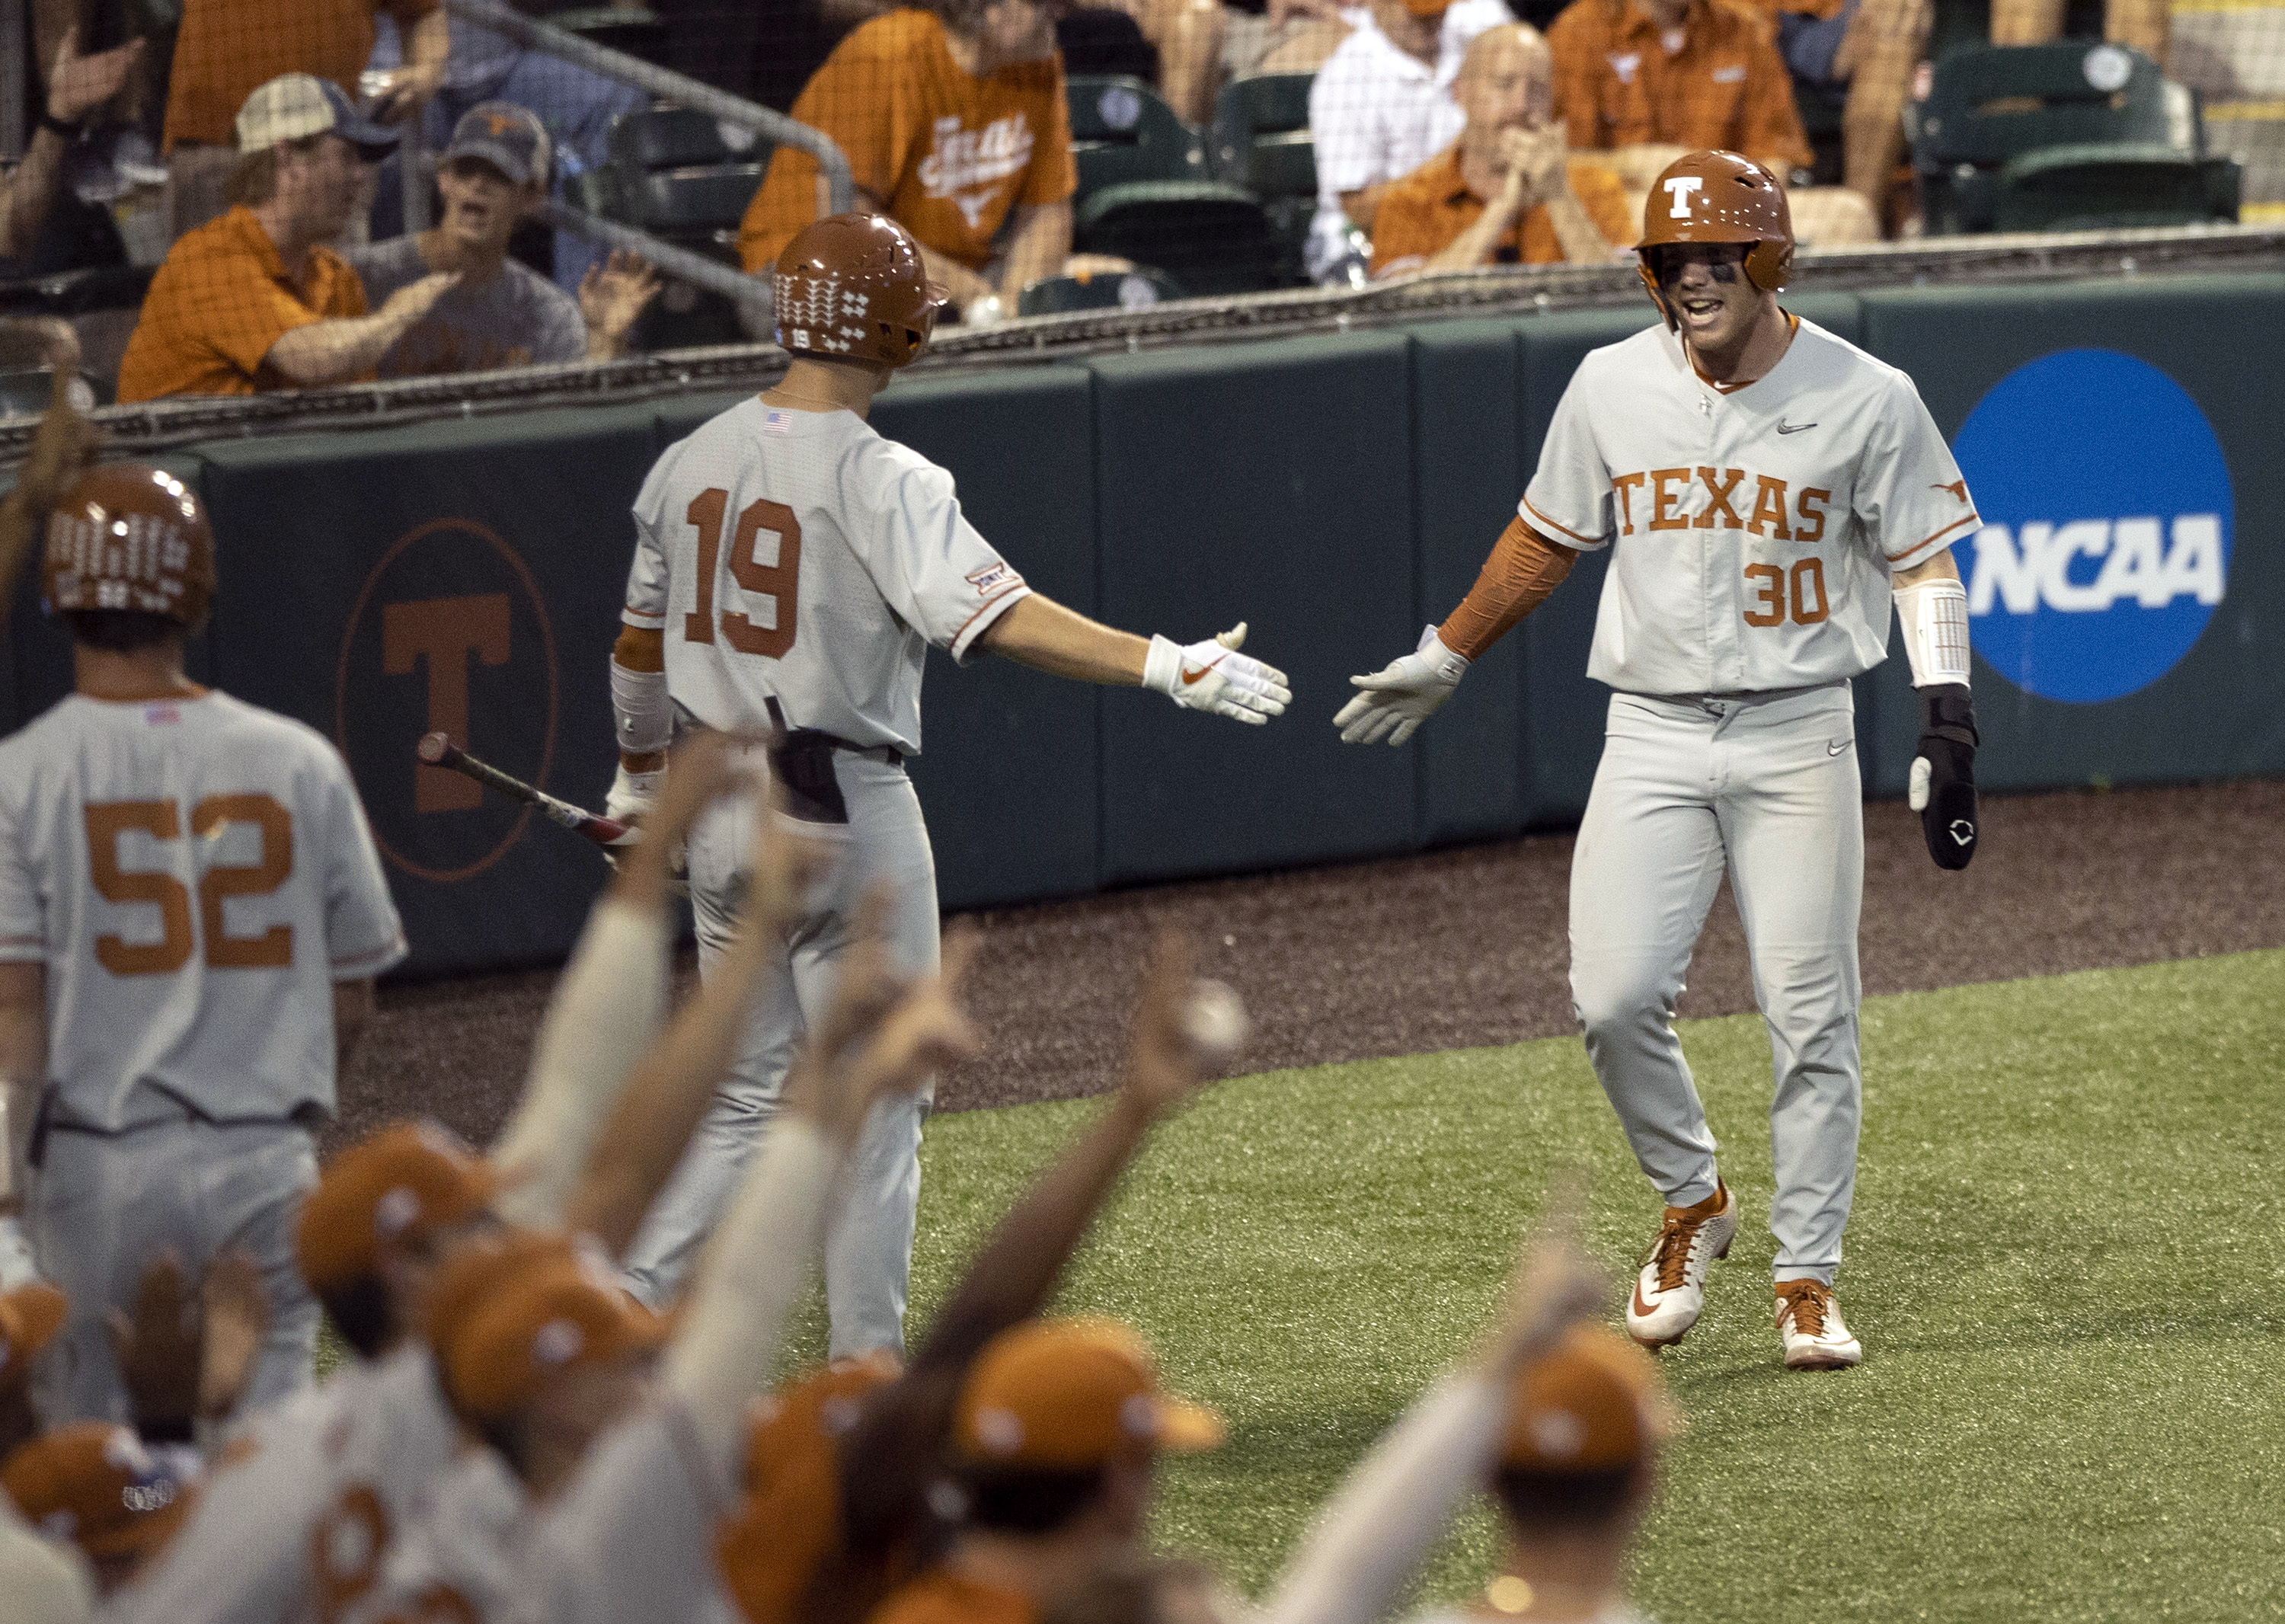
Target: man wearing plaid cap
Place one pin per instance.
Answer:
(254, 301)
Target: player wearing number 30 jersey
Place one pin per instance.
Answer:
(192, 913)
(792, 567)
(1765, 490)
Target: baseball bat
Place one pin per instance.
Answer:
(438, 750)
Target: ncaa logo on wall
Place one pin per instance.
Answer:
(2107, 522)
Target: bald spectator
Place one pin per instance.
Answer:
(254, 301)
(1643, 82)
(1381, 107)
(1505, 193)
(79, 87)
(226, 48)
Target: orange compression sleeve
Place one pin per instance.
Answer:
(1523, 569)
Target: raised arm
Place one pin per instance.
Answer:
(1523, 569)
(606, 1007)
(322, 352)
(62, 446)
(1211, 675)
(677, 1078)
(760, 1257)
(1378, 1526)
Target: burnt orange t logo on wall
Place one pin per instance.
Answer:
(450, 634)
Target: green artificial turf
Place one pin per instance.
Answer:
(2064, 1263)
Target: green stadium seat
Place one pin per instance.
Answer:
(2027, 138)
(1134, 290)
(672, 173)
(1123, 131)
(1261, 142)
(1211, 238)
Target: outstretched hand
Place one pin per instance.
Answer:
(1396, 699)
(1212, 676)
(612, 293)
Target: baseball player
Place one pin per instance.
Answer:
(791, 567)
(1766, 488)
(299, 1519)
(191, 915)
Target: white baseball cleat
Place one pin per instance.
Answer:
(1670, 1291)
(1808, 1319)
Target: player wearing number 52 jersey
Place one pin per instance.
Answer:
(792, 567)
(192, 913)
(1765, 490)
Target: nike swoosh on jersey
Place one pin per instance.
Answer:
(1784, 427)
(1834, 750)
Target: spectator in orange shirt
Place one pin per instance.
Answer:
(1646, 81)
(1503, 193)
(226, 48)
(253, 301)
(953, 121)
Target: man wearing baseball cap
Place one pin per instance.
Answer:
(94, 1486)
(1055, 1449)
(495, 175)
(254, 300)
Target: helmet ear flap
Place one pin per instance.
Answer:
(1768, 264)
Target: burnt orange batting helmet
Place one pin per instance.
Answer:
(1719, 197)
(129, 537)
(854, 287)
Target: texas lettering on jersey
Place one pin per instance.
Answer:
(966, 166)
(1667, 501)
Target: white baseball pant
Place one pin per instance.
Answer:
(103, 1206)
(869, 1247)
(1765, 786)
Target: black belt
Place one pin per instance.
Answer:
(307, 1116)
(803, 760)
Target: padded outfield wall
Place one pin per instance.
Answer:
(1337, 491)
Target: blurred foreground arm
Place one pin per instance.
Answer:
(1378, 1527)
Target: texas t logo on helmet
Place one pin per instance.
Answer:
(1720, 196)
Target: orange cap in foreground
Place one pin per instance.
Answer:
(30, 1315)
(397, 1185)
(1063, 1395)
(503, 1320)
(1427, 8)
(769, 1549)
(94, 1484)
(1595, 1403)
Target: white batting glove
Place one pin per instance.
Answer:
(1213, 676)
(1401, 696)
(631, 798)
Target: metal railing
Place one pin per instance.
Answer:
(832, 163)
(1499, 291)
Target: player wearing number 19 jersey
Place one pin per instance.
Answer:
(192, 913)
(1765, 490)
(792, 567)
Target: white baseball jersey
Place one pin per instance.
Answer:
(1755, 531)
(799, 556)
(461, 1558)
(294, 1524)
(195, 874)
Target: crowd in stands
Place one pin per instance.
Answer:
(1446, 134)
